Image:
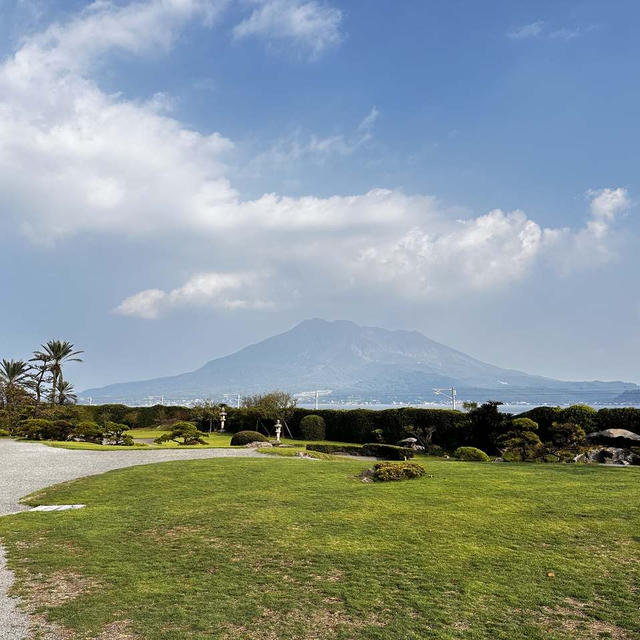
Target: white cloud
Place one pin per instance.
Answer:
(311, 25)
(76, 160)
(539, 30)
(213, 290)
(296, 146)
(532, 30)
(482, 253)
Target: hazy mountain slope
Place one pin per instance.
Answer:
(348, 359)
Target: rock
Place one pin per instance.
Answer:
(366, 475)
(257, 445)
(611, 455)
(410, 443)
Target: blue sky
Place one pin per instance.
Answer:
(179, 178)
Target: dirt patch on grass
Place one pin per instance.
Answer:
(58, 588)
(118, 630)
(175, 533)
(309, 625)
(573, 619)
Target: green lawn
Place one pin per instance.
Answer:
(282, 549)
(215, 440)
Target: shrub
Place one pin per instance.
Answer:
(470, 454)
(41, 429)
(390, 471)
(87, 431)
(387, 451)
(245, 437)
(185, 431)
(312, 428)
(4, 433)
(114, 434)
(351, 450)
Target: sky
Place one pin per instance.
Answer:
(181, 178)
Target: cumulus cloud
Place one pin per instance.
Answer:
(214, 290)
(312, 26)
(74, 160)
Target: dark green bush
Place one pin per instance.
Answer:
(245, 437)
(390, 471)
(114, 433)
(387, 451)
(312, 428)
(470, 454)
(185, 433)
(41, 429)
(88, 431)
(352, 450)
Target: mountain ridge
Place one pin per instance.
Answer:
(367, 362)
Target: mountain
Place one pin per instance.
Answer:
(366, 363)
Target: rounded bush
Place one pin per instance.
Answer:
(390, 471)
(470, 454)
(312, 428)
(245, 437)
(4, 433)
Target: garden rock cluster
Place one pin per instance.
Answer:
(610, 455)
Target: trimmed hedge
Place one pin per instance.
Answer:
(351, 450)
(471, 454)
(393, 471)
(387, 451)
(312, 427)
(4, 433)
(245, 437)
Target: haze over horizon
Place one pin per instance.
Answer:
(182, 178)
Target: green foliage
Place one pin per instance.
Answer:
(470, 454)
(580, 414)
(4, 433)
(41, 429)
(245, 437)
(567, 435)
(276, 405)
(185, 433)
(391, 471)
(521, 442)
(312, 428)
(351, 450)
(387, 451)
(114, 433)
(88, 431)
(488, 425)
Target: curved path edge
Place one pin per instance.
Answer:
(26, 467)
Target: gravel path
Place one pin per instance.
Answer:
(26, 467)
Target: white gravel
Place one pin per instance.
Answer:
(26, 467)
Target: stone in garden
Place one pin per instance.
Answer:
(257, 445)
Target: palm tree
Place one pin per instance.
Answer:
(13, 374)
(66, 393)
(59, 352)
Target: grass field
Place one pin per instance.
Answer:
(297, 549)
(215, 440)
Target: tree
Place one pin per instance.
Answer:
(521, 442)
(40, 374)
(13, 379)
(66, 393)
(185, 431)
(469, 406)
(567, 435)
(59, 352)
(276, 405)
(487, 426)
(206, 413)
